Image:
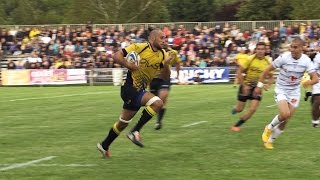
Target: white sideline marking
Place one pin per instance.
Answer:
(200, 122)
(25, 127)
(29, 163)
(272, 105)
(63, 165)
(66, 165)
(51, 97)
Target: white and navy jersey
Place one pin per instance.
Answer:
(292, 70)
(316, 62)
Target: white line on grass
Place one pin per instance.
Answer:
(51, 97)
(62, 165)
(192, 124)
(66, 165)
(30, 127)
(29, 163)
(271, 105)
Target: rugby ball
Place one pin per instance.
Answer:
(133, 57)
(304, 79)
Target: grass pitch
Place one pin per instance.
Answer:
(51, 133)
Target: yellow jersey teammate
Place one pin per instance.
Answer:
(161, 87)
(252, 68)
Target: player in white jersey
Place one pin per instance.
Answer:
(292, 66)
(316, 95)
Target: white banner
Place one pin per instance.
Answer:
(205, 75)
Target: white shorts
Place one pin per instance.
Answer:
(316, 88)
(291, 96)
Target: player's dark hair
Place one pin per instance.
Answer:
(261, 44)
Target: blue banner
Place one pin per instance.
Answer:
(201, 75)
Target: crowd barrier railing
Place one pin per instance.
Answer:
(243, 25)
(111, 76)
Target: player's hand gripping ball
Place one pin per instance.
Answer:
(133, 57)
(304, 79)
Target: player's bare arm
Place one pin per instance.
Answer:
(270, 79)
(266, 73)
(245, 88)
(178, 67)
(166, 66)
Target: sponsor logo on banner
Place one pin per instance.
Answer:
(78, 75)
(44, 76)
(40, 76)
(58, 76)
(207, 75)
(15, 77)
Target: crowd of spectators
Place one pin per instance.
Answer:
(89, 47)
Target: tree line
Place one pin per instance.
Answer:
(152, 11)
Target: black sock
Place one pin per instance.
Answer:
(147, 114)
(113, 134)
(239, 123)
(161, 114)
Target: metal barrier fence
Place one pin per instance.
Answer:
(101, 76)
(243, 25)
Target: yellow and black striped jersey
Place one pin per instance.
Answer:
(149, 65)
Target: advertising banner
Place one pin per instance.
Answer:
(15, 77)
(58, 76)
(204, 75)
(44, 77)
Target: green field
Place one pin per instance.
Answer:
(51, 133)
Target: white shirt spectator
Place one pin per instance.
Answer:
(12, 32)
(108, 40)
(234, 32)
(45, 39)
(252, 46)
(228, 42)
(69, 47)
(101, 48)
(170, 41)
(125, 43)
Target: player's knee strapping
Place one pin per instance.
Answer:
(147, 114)
(148, 108)
(125, 121)
(116, 129)
(152, 100)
